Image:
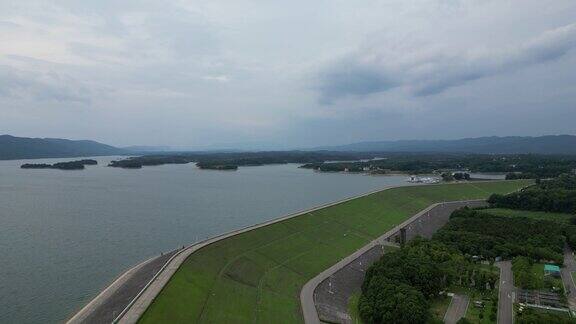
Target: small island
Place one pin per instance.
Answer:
(139, 162)
(72, 165)
(216, 166)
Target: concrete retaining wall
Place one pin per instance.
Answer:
(331, 296)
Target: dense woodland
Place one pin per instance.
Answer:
(239, 159)
(475, 232)
(216, 166)
(421, 269)
(72, 165)
(398, 288)
(517, 166)
(555, 195)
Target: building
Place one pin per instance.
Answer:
(551, 270)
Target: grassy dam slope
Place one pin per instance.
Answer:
(256, 277)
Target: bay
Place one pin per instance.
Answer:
(65, 235)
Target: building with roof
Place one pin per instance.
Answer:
(551, 270)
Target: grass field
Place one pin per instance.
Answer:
(256, 277)
(486, 315)
(558, 217)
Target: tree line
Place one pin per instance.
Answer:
(398, 288)
(476, 232)
(555, 195)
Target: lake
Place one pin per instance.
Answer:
(65, 235)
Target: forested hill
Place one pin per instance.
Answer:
(12, 148)
(555, 144)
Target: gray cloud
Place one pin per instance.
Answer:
(41, 86)
(164, 72)
(380, 70)
(352, 78)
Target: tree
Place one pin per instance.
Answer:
(384, 301)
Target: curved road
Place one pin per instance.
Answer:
(144, 298)
(307, 303)
(139, 305)
(112, 300)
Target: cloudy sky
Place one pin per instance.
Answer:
(286, 74)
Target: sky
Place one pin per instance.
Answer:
(286, 74)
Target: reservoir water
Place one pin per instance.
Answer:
(65, 235)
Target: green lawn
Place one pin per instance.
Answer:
(486, 315)
(540, 281)
(530, 310)
(546, 281)
(257, 276)
(559, 217)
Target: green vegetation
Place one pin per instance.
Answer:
(438, 308)
(257, 276)
(526, 273)
(475, 232)
(487, 312)
(72, 165)
(353, 309)
(216, 166)
(517, 166)
(418, 272)
(557, 195)
(385, 300)
(239, 159)
(427, 267)
(530, 275)
(540, 316)
(537, 215)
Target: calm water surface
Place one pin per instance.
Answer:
(65, 235)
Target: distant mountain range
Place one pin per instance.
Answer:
(148, 149)
(554, 144)
(12, 148)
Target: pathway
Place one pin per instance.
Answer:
(110, 302)
(507, 293)
(345, 277)
(457, 309)
(566, 272)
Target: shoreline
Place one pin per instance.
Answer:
(143, 299)
(146, 296)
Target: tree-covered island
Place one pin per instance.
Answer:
(450, 166)
(72, 165)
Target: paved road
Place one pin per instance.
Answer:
(104, 307)
(507, 293)
(307, 302)
(569, 267)
(457, 309)
(147, 295)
